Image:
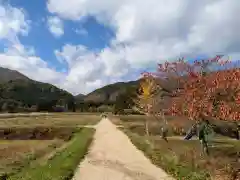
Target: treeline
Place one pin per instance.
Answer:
(32, 96)
(12, 106)
(122, 105)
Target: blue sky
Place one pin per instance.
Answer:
(43, 40)
(83, 45)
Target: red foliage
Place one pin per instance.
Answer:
(203, 92)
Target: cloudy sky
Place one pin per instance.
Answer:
(80, 45)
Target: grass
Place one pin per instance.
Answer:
(37, 133)
(16, 154)
(63, 164)
(183, 159)
(137, 124)
(28, 140)
(178, 126)
(60, 119)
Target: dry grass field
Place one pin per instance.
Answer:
(183, 159)
(15, 154)
(178, 126)
(56, 119)
(28, 141)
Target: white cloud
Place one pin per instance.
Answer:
(79, 9)
(81, 31)
(85, 68)
(147, 32)
(31, 65)
(55, 25)
(174, 27)
(157, 30)
(153, 31)
(18, 49)
(13, 22)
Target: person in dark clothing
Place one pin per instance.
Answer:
(202, 135)
(200, 130)
(103, 115)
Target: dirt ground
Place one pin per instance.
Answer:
(113, 156)
(36, 133)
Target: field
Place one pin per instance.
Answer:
(56, 119)
(184, 159)
(28, 142)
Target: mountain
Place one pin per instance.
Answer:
(8, 75)
(110, 92)
(80, 97)
(119, 96)
(18, 87)
(17, 90)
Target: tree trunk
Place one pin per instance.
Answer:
(164, 128)
(146, 127)
(237, 131)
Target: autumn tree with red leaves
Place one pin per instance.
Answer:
(201, 90)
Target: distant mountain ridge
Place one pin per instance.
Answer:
(18, 87)
(109, 93)
(79, 97)
(17, 90)
(8, 75)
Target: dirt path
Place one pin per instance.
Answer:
(112, 156)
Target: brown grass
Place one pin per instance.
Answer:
(15, 154)
(183, 159)
(60, 119)
(32, 138)
(178, 126)
(37, 133)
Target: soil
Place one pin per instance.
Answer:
(112, 156)
(37, 133)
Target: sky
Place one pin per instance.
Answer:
(81, 45)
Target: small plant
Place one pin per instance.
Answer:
(3, 176)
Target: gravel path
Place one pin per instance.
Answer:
(112, 156)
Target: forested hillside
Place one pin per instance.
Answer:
(19, 93)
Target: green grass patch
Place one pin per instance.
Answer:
(63, 164)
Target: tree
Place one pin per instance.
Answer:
(74, 107)
(216, 94)
(149, 102)
(144, 99)
(4, 107)
(124, 101)
(199, 91)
